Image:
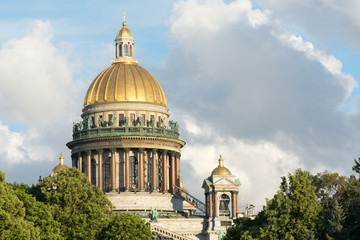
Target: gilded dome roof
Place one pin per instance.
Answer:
(124, 32)
(221, 170)
(59, 167)
(125, 81)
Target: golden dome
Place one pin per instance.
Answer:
(125, 81)
(221, 170)
(124, 32)
(59, 167)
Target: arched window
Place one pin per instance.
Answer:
(131, 50)
(133, 172)
(224, 205)
(120, 50)
(126, 51)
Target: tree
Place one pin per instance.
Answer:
(336, 224)
(126, 226)
(246, 228)
(351, 205)
(81, 209)
(330, 189)
(292, 213)
(38, 213)
(12, 215)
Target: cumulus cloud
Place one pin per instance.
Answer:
(38, 99)
(34, 76)
(269, 99)
(325, 21)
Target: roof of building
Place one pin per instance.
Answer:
(59, 167)
(125, 82)
(124, 32)
(221, 170)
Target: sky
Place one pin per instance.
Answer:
(272, 85)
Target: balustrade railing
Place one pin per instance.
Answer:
(124, 130)
(190, 199)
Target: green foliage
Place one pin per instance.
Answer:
(356, 167)
(245, 228)
(336, 221)
(126, 226)
(38, 213)
(81, 209)
(351, 205)
(291, 214)
(293, 211)
(330, 188)
(12, 215)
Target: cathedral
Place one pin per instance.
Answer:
(128, 147)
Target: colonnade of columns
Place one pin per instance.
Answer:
(213, 204)
(129, 169)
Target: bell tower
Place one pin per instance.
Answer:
(221, 196)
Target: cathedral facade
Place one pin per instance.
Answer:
(127, 146)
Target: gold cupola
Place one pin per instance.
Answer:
(125, 80)
(124, 32)
(59, 167)
(221, 170)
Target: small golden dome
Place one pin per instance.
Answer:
(59, 167)
(124, 32)
(125, 82)
(221, 170)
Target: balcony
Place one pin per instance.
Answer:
(124, 131)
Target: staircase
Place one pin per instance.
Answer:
(167, 233)
(190, 199)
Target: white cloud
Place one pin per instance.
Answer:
(257, 164)
(325, 21)
(333, 65)
(264, 98)
(34, 78)
(38, 98)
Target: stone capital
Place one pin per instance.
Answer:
(127, 150)
(141, 150)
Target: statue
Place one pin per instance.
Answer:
(112, 120)
(140, 121)
(100, 122)
(152, 122)
(220, 235)
(163, 123)
(126, 121)
(74, 128)
(153, 215)
(171, 124)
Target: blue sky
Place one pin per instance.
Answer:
(259, 81)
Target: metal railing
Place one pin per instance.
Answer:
(190, 199)
(125, 131)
